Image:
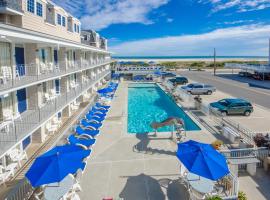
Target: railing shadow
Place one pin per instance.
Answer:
(142, 145)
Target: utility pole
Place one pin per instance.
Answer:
(215, 64)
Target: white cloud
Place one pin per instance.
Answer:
(99, 14)
(239, 5)
(170, 20)
(242, 40)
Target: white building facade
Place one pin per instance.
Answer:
(46, 72)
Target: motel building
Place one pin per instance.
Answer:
(49, 68)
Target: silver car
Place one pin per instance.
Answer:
(199, 88)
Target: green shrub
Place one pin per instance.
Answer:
(242, 196)
(214, 198)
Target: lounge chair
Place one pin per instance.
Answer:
(98, 114)
(86, 142)
(93, 116)
(51, 128)
(5, 175)
(86, 132)
(102, 106)
(93, 119)
(101, 110)
(17, 155)
(92, 125)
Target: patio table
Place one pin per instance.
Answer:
(200, 184)
(56, 191)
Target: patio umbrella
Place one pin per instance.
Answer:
(105, 90)
(56, 164)
(202, 160)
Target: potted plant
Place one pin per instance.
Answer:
(217, 144)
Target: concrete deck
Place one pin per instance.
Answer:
(130, 166)
(138, 167)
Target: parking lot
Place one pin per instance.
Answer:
(234, 87)
(258, 121)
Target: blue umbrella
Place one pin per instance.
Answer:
(157, 72)
(56, 164)
(202, 160)
(105, 90)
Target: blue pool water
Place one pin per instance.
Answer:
(148, 103)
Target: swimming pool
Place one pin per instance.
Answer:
(147, 103)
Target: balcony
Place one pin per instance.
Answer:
(31, 120)
(12, 7)
(26, 75)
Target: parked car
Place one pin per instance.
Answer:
(168, 74)
(179, 80)
(233, 107)
(245, 74)
(199, 88)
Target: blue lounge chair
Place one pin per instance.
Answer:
(80, 131)
(95, 117)
(85, 142)
(102, 106)
(92, 125)
(99, 110)
(98, 114)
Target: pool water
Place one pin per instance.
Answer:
(148, 103)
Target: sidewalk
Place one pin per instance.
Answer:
(249, 81)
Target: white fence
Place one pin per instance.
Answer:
(258, 68)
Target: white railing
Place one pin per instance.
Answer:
(29, 74)
(259, 68)
(32, 119)
(260, 153)
(231, 185)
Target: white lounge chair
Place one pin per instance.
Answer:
(43, 68)
(56, 121)
(17, 155)
(73, 84)
(48, 97)
(51, 128)
(74, 106)
(6, 74)
(5, 175)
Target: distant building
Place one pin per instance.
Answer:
(92, 38)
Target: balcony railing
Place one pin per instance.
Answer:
(12, 4)
(29, 74)
(32, 119)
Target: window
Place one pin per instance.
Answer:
(63, 21)
(59, 19)
(78, 29)
(5, 54)
(75, 28)
(39, 9)
(31, 6)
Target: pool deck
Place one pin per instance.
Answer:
(138, 167)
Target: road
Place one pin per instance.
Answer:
(233, 87)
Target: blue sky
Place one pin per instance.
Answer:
(177, 27)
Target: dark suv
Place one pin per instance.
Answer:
(233, 107)
(179, 80)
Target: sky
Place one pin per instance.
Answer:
(177, 27)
